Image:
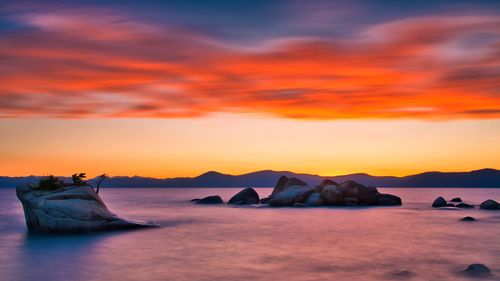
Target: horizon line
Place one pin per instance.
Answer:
(265, 170)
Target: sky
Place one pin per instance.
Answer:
(178, 88)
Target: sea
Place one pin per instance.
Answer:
(223, 242)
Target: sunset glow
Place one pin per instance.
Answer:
(132, 91)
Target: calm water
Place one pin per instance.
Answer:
(241, 243)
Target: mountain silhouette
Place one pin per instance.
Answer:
(267, 178)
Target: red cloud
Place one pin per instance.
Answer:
(89, 63)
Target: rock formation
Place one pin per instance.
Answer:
(70, 209)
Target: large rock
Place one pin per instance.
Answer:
(291, 195)
(280, 185)
(70, 209)
(294, 182)
(332, 195)
(490, 205)
(439, 202)
(456, 200)
(387, 200)
(356, 190)
(214, 199)
(328, 182)
(245, 197)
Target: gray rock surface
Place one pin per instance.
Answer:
(70, 209)
(291, 195)
(314, 200)
(245, 197)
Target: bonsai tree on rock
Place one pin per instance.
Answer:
(99, 181)
(78, 179)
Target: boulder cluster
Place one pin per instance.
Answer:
(457, 202)
(294, 192)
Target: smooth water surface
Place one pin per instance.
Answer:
(246, 243)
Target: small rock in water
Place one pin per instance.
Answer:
(439, 202)
(215, 199)
(195, 200)
(464, 205)
(476, 270)
(456, 199)
(490, 205)
(247, 196)
(468, 219)
(403, 273)
(299, 205)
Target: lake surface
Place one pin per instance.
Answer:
(243, 243)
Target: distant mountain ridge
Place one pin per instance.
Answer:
(267, 178)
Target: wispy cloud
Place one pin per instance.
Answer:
(90, 62)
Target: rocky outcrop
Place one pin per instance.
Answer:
(245, 197)
(70, 209)
(476, 270)
(214, 199)
(349, 193)
(439, 202)
(456, 200)
(490, 205)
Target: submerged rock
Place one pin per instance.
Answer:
(439, 202)
(468, 219)
(195, 199)
(214, 199)
(476, 270)
(490, 205)
(456, 200)
(299, 205)
(464, 205)
(403, 273)
(246, 196)
(70, 209)
(383, 199)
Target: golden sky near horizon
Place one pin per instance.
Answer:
(168, 89)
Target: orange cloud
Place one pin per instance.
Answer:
(88, 63)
